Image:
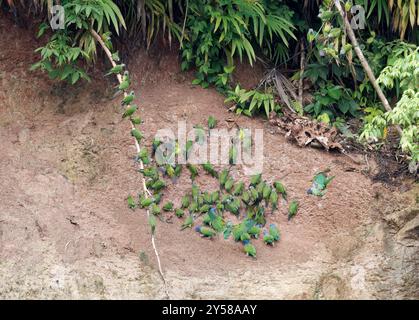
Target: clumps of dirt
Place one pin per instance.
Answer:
(306, 132)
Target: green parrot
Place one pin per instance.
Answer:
(193, 170)
(155, 209)
(280, 189)
(206, 232)
(273, 199)
(260, 216)
(188, 148)
(223, 178)
(130, 111)
(179, 213)
(227, 230)
(254, 231)
(229, 185)
(215, 196)
(238, 189)
(125, 83)
(274, 232)
(152, 222)
(245, 236)
(170, 171)
(193, 207)
(155, 144)
(178, 170)
(145, 202)
(233, 206)
(212, 122)
(157, 198)
(136, 120)
(128, 99)
(250, 250)
(255, 180)
(204, 209)
(320, 182)
(266, 192)
(150, 173)
(185, 202)
(220, 206)
(115, 57)
(137, 134)
(188, 223)
(168, 206)
(143, 156)
(131, 202)
(268, 238)
(238, 230)
(158, 185)
(293, 208)
(207, 198)
(246, 197)
(115, 70)
(210, 170)
(254, 195)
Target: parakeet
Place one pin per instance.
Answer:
(156, 143)
(212, 122)
(193, 170)
(246, 197)
(280, 189)
(229, 185)
(152, 222)
(255, 180)
(137, 134)
(179, 213)
(232, 155)
(238, 189)
(128, 99)
(293, 208)
(210, 170)
(170, 172)
(193, 207)
(266, 192)
(131, 202)
(249, 249)
(168, 206)
(157, 198)
(273, 199)
(320, 182)
(228, 229)
(178, 170)
(245, 236)
(115, 56)
(143, 156)
(274, 232)
(136, 120)
(254, 231)
(185, 202)
(205, 232)
(150, 172)
(268, 238)
(130, 111)
(205, 208)
(115, 70)
(125, 83)
(155, 209)
(188, 148)
(223, 178)
(188, 223)
(158, 185)
(215, 196)
(145, 202)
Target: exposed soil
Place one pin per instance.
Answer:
(66, 168)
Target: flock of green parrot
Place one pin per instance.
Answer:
(249, 203)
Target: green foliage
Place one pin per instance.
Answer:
(219, 32)
(61, 56)
(403, 72)
(250, 102)
(59, 59)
